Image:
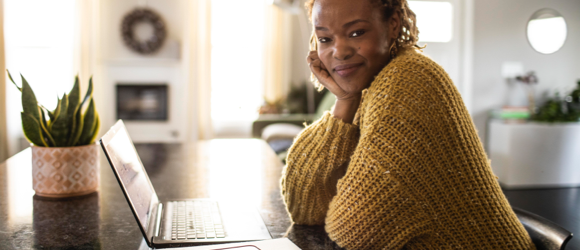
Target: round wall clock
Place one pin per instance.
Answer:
(143, 15)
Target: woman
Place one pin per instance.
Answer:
(397, 163)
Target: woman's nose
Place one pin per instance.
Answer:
(342, 50)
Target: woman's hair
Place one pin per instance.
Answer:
(409, 33)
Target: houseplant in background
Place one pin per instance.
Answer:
(558, 109)
(573, 100)
(65, 157)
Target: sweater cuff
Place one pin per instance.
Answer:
(307, 181)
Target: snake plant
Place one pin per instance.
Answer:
(74, 122)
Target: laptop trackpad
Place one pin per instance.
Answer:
(242, 222)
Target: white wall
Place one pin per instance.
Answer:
(500, 36)
(112, 12)
(169, 65)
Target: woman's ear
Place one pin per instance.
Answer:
(394, 25)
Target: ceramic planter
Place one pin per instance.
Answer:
(65, 171)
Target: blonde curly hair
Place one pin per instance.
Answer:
(409, 33)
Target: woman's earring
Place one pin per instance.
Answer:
(393, 50)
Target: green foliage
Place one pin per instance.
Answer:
(558, 110)
(32, 128)
(297, 99)
(72, 123)
(552, 111)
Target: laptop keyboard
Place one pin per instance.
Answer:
(196, 220)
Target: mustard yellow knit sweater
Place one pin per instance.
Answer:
(417, 177)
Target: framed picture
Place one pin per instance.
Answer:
(143, 102)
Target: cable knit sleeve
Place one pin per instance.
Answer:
(374, 208)
(309, 178)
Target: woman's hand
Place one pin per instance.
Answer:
(323, 76)
(346, 102)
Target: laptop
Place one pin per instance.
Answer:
(176, 223)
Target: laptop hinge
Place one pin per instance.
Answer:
(158, 219)
(152, 223)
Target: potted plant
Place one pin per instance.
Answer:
(65, 157)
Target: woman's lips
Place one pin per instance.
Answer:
(347, 69)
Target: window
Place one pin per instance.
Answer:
(39, 39)
(434, 20)
(39, 44)
(237, 63)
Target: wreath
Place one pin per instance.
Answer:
(143, 15)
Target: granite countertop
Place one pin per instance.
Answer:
(245, 171)
(239, 170)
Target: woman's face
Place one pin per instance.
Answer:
(353, 40)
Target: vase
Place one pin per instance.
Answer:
(65, 171)
(531, 99)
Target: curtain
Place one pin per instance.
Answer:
(3, 126)
(277, 54)
(277, 60)
(84, 61)
(199, 72)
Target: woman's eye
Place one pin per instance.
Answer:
(357, 33)
(323, 40)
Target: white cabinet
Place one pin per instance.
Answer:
(535, 154)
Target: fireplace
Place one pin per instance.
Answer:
(142, 102)
(151, 98)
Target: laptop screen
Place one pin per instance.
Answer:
(130, 172)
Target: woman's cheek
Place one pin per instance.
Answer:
(325, 57)
(369, 50)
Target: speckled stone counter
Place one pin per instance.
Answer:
(245, 171)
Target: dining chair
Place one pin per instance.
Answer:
(545, 234)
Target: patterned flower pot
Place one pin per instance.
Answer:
(65, 172)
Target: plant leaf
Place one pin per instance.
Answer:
(43, 125)
(20, 89)
(89, 93)
(29, 103)
(32, 130)
(74, 99)
(97, 128)
(12, 80)
(78, 120)
(55, 113)
(43, 115)
(46, 135)
(60, 127)
(50, 116)
(90, 122)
